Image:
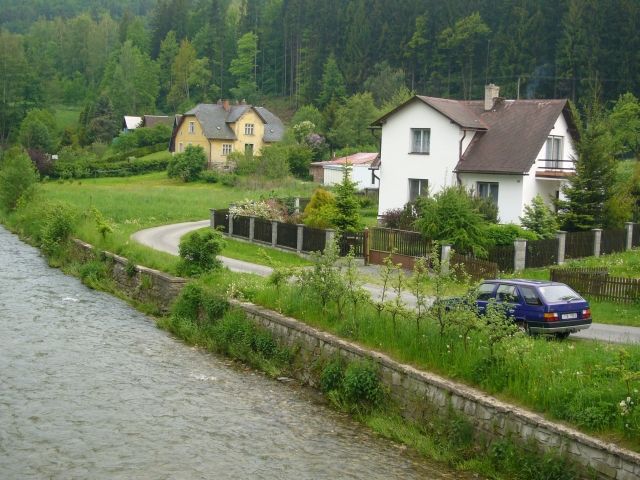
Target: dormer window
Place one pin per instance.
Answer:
(248, 128)
(420, 139)
(192, 127)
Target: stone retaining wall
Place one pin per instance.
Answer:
(140, 283)
(421, 395)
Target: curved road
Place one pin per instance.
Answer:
(167, 238)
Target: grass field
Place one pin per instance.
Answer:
(66, 116)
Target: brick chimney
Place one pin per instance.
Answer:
(225, 105)
(491, 92)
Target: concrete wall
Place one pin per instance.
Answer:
(359, 174)
(422, 395)
(510, 190)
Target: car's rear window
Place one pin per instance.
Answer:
(558, 293)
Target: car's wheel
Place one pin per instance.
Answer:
(562, 335)
(523, 327)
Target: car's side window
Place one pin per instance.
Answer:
(530, 296)
(507, 293)
(485, 291)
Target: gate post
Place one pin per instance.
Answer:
(629, 227)
(562, 242)
(230, 224)
(365, 246)
(300, 238)
(252, 228)
(274, 233)
(212, 218)
(520, 254)
(597, 240)
(445, 256)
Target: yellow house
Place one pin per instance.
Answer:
(223, 128)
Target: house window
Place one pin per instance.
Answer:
(181, 147)
(418, 187)
(226, 148)
(248, 128)
(554, 152)
(488, 190)
(192, 127)
(420, 140)
(248, 149)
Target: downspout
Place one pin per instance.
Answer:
(460, 154)
(372, 129)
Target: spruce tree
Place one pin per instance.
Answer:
(347, 205)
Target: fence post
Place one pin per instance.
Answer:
(330, 236)
(230, 224)
(597, 240)
(520, 254)
(445, 257)
(252, 228)
(212, 218)
(365, 245)
(274, 233)
(296, 205)
(562, 242)
(300, 237)
(629, 227)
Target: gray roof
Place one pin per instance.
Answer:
(517, 130)
(215, 121)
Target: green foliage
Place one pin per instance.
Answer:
(102, 224)
(354, 387)
(384, 82)
(18, 178)
(400, 218)
(624, 123)
(450, 216)
(347, 217)
(142, 137)
(272, 162)
(188, 165)
(309, 113)
(320, 212)
(333, 86)
(190, 77)
(539, 218)
(38, 131)
(332, 376)
(505, 234)
(210, 176)
(487, 208)
(58, 225)
(243, 68)
(198, 252)
(98, 121)
(352, 121)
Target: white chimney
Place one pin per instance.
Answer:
(491, 92)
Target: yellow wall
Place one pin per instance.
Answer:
(197, 138)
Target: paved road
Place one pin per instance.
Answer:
(167, 238)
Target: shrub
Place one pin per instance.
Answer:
(18, 177)
(400, 218)
(539, 218)
(487, 208)
(210, 176)
(188, 165)
(361, 385)
(507, 233)
(268, 209)
(198, 252)
(332, 376)
(57, 226)
(229, 179)
(320, 212)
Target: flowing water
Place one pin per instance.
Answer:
(90, 388)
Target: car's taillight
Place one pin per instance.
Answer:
(550, 317)
(586, 313)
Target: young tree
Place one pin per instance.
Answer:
(384, 82)
(539, 218)
(333, 86)
(188, 73)
(624, 123)
(17, 177)
(244, 68)
(347, 206)
(352, 121)
(38, 131)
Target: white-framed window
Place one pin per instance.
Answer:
(248, 128)
(554, 152)
(227, 148)
(418, 187)
(420, 139)
(488, 190)
(192, 127)
(248, 149)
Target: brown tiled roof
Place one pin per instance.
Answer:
(151, 121)
(517, 130)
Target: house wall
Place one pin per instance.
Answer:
(359, 174)
(184, 138)
(398, 165)
(510, 193)
(258, 132)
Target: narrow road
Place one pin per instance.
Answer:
(167, 238)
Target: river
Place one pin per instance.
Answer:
(90, 388)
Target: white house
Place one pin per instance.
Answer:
(331, 171)
(507, 150)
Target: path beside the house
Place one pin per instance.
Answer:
(167, 238)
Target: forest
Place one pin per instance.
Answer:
(167, 55)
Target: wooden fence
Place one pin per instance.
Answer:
(579, 245)
(596, 283)
(541, 253)
(503, 256)
(402, 246)
(351, 241)
(614, 240)
(473, 267)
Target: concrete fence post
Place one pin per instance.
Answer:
(230, 223)
(365, 245)
(212, 218)
(274, 233)
(300, 237)
(296, 205)
(330, 236)
(597, 240)
(445, 257)
(252, 228)
(562, 242)
(629, 227)
(520, 256)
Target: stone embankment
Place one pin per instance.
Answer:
(420, 395)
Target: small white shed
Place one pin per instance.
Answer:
(331, 171)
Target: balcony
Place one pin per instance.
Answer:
(555, 169)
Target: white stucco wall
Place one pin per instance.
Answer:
(510, 193)
(398, 165)
(359, 174)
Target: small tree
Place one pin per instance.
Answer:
(539, 218)
(18, 177)
(188, 165)
(198, 252)
(347, 216)
(321, 210)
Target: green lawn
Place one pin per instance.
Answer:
(134, 203)
(66, 116)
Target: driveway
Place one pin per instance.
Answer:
(167, 238)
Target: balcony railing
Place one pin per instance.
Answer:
(551, 168)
